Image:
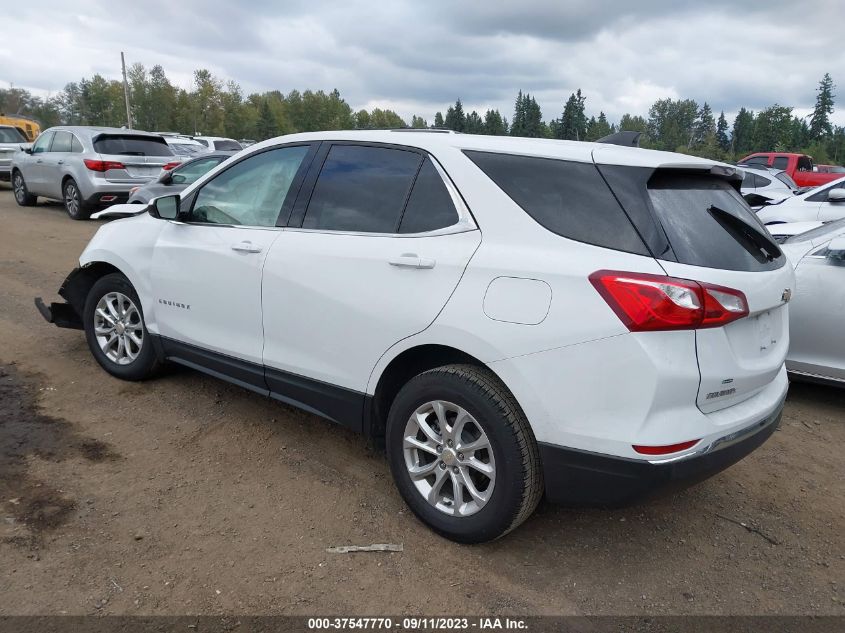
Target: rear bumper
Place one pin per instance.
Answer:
(107, 198)
(575, 477)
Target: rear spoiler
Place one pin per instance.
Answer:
(625, 139)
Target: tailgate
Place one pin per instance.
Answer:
(738, 360)
(137, 169)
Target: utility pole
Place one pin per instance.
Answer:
(126, 92)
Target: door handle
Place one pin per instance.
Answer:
(246, 247)
(411, 260)
(61, 162)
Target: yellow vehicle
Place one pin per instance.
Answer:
(29, 126)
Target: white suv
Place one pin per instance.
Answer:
(514, 316)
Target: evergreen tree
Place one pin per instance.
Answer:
(494, 125)
(820, 126)
(266, 127)
(773, 129)
(438, 120)
(455, 118)
(418, 122)
(518, 127)
(598, 128)
(722, 133)
(705, 127)
(474, 123)
(573, 122)
(743, 133)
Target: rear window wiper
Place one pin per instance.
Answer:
(758, 244)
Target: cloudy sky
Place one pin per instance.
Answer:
(417, 57)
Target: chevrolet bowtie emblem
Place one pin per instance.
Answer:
(786, 296)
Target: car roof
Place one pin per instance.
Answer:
(433, 140)
(90, 131)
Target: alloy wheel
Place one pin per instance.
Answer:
(449, 458)
(19, 188)
(72, 199)
(118, 328)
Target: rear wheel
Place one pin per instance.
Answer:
(115, 330)
(74, 204)
(22, 195)
(462, 453)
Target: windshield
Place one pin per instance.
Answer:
(813, 234)
(131, 145)
(785, 179)
(227, 145)
(11, 135)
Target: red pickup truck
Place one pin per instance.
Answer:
(799, 166)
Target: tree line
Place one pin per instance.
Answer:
(214, 107)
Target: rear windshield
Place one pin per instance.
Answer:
(567, 198)
(227, 146)
(11, 135)
(131, 145)
(786, 179)
(709, 224)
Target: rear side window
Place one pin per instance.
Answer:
(362, 189)
(780, 162)
(131, 145)
(430, 206)
(567, 198)
(75, 145)
(62, 142)
(709, 224)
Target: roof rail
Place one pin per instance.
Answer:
(431, 130)
(625, 139)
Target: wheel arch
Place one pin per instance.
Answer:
(400, 369)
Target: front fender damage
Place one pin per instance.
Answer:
(74, 290)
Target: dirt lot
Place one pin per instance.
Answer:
(187, 495)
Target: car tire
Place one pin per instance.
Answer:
(22, 195)
(75, 206)
(114, 325)
(476, 400)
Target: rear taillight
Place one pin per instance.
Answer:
(102, 165)
(646, 303)
(170, 166)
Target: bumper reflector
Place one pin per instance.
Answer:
(665, 450)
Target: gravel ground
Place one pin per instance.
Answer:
(185, 495)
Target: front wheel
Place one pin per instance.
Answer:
(75, 206)
(115, 330)
(463, 454)
(22, 195)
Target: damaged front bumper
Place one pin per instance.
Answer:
(75, 290)
(59, 314)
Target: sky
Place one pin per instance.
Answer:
(418, 57)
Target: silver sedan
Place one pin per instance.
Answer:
(817, 347)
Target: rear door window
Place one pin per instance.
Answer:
(362, 189)
(567, 198)
(709, 224)
(131, 145)
(780, 162)
(62, 142)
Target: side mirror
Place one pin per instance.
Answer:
(836, 248)
(165, 177)
(27, 148)
(165, 207)
(836, 195)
